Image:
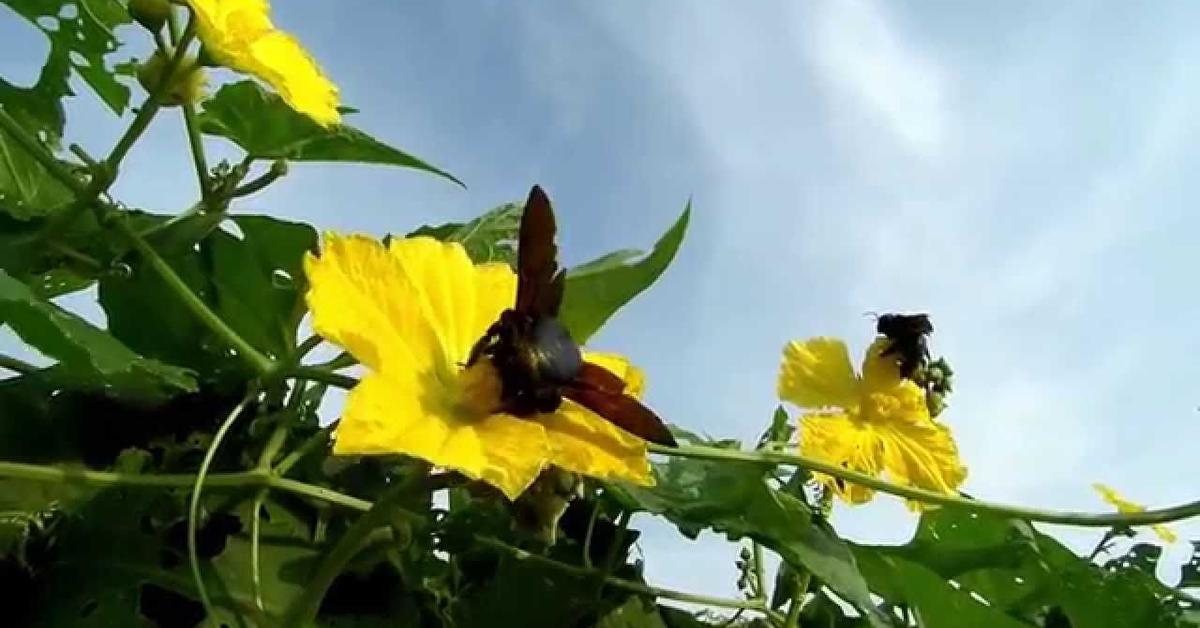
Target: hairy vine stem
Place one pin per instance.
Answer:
(1081, 519)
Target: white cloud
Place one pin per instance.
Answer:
(859, 54)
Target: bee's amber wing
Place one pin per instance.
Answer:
(539, 282)
(602, 392)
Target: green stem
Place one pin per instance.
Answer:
(319, 493)
(140, 122)
(798, 592)
(303, 609)
(230, 481)
(306, 347)
(278, 169)
(1082, 519)
(759, 575)
(17, 366)
(628, 585)
(259, 362)
(199, 160)
(321, 437)
(194, 505)
(318, 374)
(587, 537)
(255, 547)
(41, 154)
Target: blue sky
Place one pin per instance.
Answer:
(1023, 171)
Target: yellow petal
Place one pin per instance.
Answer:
(459, 300)
(839, 440)
(582, 442)
(816, 373)
(239, 34)
(361, 299)
(406, 414)
(282, 62)
(879, 372)
(1123, 505)
(619, 365)
(917, 451)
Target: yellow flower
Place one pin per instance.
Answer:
(239, 34)
(1123, 505)
(411, 313)
(872, 424)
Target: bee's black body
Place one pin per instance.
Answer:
(534, 356)
(908, 334)
(537, 360)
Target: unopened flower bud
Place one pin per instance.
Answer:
(186, 84)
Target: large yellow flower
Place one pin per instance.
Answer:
(411, 313)
(1123, 505)
(875, 424)
(239, 34)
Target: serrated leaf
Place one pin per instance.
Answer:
(266, 128)
(491, 237)
(734, 499)
(85, 353)
(596, 290)
(81, 36)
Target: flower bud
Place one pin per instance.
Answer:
(186, 84)
(151, 14)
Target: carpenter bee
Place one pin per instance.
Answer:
(537, 360)
(908, 334)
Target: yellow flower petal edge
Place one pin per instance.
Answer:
(239, 35)
(411, 313)
(877, 424)
(817, 373)
(1115, 499)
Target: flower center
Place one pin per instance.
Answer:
(479, 390)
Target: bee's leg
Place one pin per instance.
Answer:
(482, 344)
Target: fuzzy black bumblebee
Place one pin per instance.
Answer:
(908, 335)
(537, 360)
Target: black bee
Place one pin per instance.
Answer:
(538, 362)
(908, 334)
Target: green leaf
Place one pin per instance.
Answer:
(636, 612)
(254, 283)
(260, 281)
(491, 237)
(122, 563)
(85, 353)
(266, 128)
(1190, 576)
(934, 602)
(1018, 572)
(81, 36)
(596, 290)
(27, 189)
(734, 499)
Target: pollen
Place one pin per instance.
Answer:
(479, 390)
